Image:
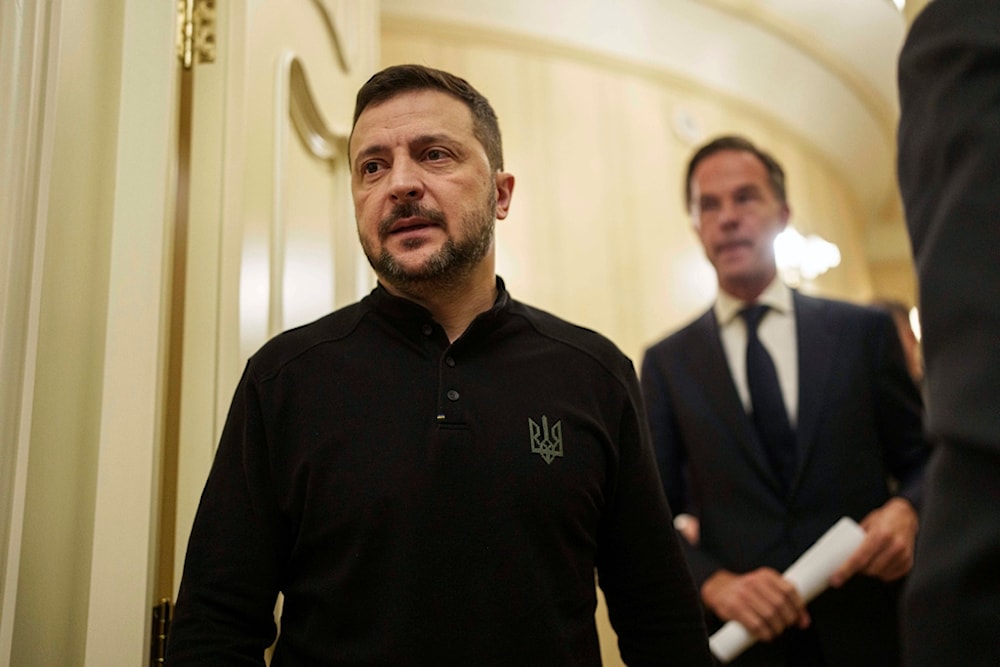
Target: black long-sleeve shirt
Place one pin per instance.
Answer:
(425, 503)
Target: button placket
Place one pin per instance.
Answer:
(450, 387)
(452, 394)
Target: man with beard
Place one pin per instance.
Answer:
(432, 475)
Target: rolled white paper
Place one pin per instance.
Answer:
(730, 640)
(810, 574)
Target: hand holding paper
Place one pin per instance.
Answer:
(810, 575)
(890, 539)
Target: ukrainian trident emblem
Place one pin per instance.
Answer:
(545, 441)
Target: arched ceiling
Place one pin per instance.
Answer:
(825, 69)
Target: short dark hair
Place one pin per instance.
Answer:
(397, 79)
(775, 174)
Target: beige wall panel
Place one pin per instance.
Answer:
(852, 279)
(895, 280)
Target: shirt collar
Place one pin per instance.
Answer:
(401, 308)
(777, 295)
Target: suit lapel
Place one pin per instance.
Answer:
(708, 359)
(816, 348)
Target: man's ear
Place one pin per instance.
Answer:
(505, 189)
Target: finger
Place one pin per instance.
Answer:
(885, 558)
(893, 559)
(890, 566)
(775, 618)
(792, 606)
(772, 623)
(759, 627)
(857, 562)
(779, 603)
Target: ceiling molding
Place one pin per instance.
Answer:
(792, 31)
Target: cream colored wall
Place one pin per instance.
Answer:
(597, 231)
(895, 280)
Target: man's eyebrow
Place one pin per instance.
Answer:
(368, 151)
(421, 140)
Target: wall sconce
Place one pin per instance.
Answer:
(802, 258)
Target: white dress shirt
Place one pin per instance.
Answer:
(776, 333)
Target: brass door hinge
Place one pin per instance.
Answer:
(195, 32)
(162, 613)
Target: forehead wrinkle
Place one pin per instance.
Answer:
(434, 138)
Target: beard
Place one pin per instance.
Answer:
(453, 261)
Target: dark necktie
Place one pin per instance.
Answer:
(768, 407)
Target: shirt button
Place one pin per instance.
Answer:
(450, 361)
(452, 395)
(427, 329)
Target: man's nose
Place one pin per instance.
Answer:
(729, 213)
(405, 181)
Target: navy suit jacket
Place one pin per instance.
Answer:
(860, 440)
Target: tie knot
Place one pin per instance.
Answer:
(752, 315)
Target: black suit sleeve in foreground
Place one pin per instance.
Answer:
(949, 143)
(949, 151)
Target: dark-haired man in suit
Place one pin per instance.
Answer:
(773, 415)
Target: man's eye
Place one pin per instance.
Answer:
(369, 167)
(436, 154)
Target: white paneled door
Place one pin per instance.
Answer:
(268, 239)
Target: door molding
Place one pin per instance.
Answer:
(128, 470)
